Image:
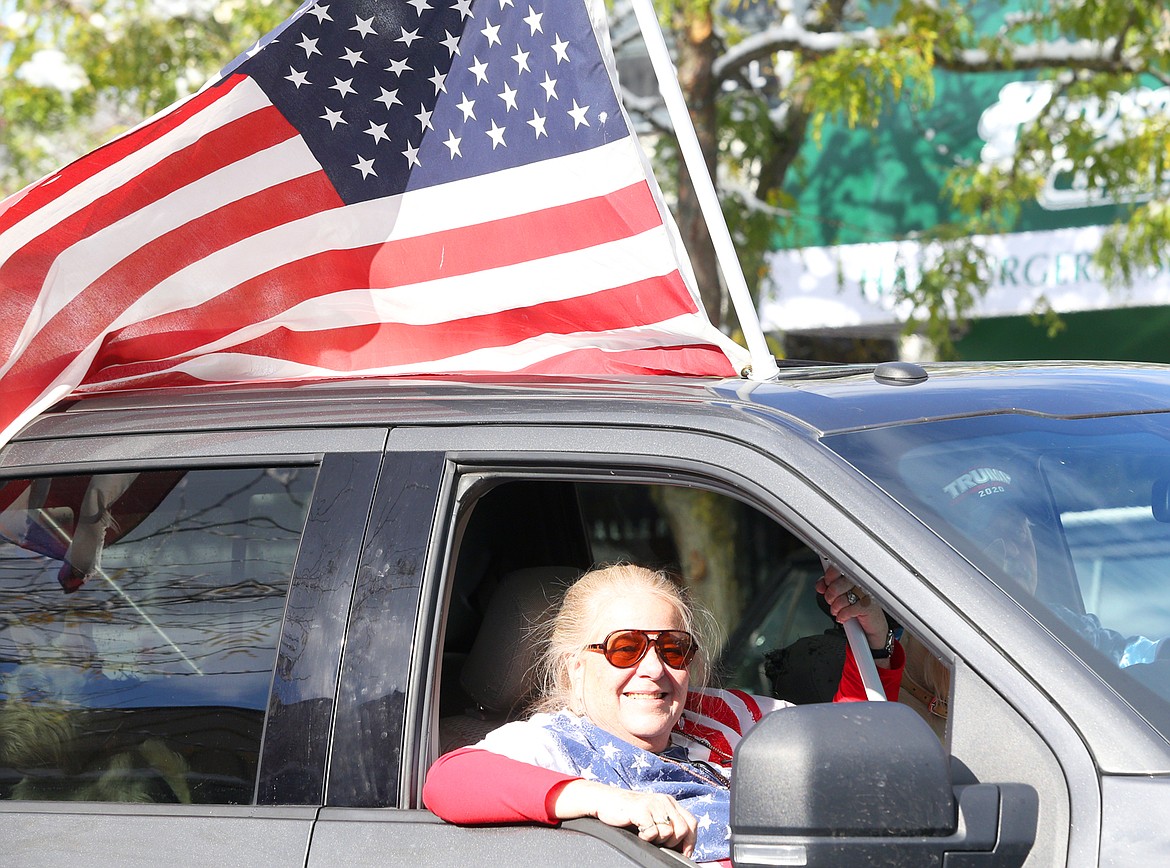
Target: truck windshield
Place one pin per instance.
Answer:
(1069, 516)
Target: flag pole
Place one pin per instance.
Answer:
(870, 679)
(763, 364)
(46, 520)
(859, 644)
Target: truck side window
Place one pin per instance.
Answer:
(526, 540)
(139, 620)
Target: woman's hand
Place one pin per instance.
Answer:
(836, 587)
(657, 817)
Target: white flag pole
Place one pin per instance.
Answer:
(874, 691)
(763, 364)
(859, 644)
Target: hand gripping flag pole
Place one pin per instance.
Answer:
(859, 645)
(763, 363)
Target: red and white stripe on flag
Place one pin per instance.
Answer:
(210, 244)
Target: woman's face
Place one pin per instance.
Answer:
(640, 704)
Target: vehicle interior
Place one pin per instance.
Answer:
(525, 540)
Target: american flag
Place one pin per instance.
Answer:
(378, 187)
(576, 746)
(695, 769)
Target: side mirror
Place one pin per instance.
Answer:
(866, 783)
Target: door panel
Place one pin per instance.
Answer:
(353, 838)
(900, 561)
(161, 659)
(51, 835)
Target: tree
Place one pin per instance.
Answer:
(847, 60)
(75, 74)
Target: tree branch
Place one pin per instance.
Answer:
(1099, 56)
(648, 109)
(751, 201)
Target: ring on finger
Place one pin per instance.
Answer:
(852, 598)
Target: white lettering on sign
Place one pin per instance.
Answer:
(1111, 119)
(863, 285)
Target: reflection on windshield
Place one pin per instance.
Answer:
(1073, 515)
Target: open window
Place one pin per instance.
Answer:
(521, 541)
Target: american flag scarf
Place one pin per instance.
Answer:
(596, 755)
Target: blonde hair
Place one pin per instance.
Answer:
(567, 633)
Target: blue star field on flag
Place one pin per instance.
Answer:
(395, 95)
(599, 756)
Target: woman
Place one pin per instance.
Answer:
(625, 732)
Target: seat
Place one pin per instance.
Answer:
(500, 672)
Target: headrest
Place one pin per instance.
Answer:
(501, 669)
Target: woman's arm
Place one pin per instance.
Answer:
(477, 786)
(851, 688)
(474, 787)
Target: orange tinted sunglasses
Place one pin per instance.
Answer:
(626, 648)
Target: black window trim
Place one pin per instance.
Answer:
(395, 557)
(328, 599)
(469, 475)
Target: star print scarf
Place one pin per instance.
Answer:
(596, 755)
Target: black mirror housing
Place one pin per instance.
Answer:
(866, 783)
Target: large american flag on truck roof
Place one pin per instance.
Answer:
(378, 187)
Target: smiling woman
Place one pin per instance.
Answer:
(625, 731)
(625, 689)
